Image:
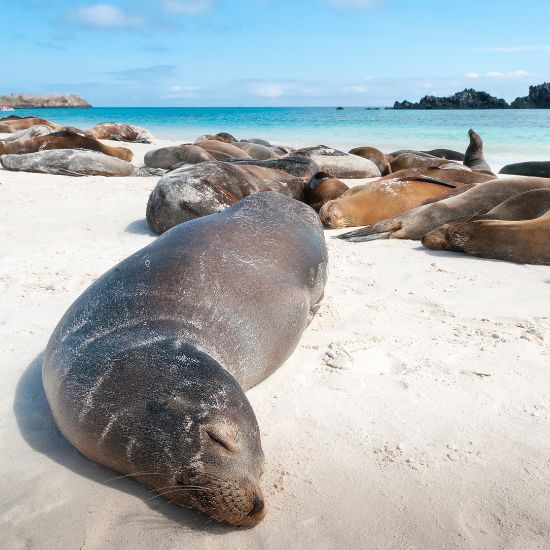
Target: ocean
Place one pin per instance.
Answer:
(509, 135)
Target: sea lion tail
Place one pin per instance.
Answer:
(373, 232)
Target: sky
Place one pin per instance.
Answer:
(272, 52)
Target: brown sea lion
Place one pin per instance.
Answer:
(525, 206)
(145, 373)
(381, 199)
(201, 189)
(414, 224)
(445, 174)
(221, 136)
(524, 242)
(371, 153)
(169, 158)
(323, 187)
(421, 162)
(474, 158)
(117, 131)
(226, 150)
(62, 140)
(256, 151)
(448, 154)
(11, 126)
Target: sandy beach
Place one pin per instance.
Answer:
(413, 414)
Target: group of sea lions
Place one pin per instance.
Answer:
(33, 144)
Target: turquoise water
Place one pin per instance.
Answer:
(510, 136)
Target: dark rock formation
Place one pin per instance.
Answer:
(538, 98)
(467, 99)
(29, 101)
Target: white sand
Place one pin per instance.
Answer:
(431, 430)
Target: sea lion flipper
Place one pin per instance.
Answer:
(375, 231)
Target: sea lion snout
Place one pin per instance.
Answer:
(331, 215)
(435, 240)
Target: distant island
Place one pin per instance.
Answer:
(538, 98)
(55, 101)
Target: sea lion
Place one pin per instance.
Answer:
(227, 150)
(301, 167)
(201, 189)
(446, 174)
(145, 372)
(256, 151)
(381, 199)
(62, 140)
(323, 187)
(447, 154)
(169, 158)
(473, 202)
(70, 162)
(371, 153)
(33, 131)
(117, 131)
(257, 141)
(14, 125)
(524, 242)
(421, 162)
(525, 206)
(540, 169)
(338, 163)
(474, 158)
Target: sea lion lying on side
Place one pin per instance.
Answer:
(117, 131)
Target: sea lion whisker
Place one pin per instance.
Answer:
(133, 475)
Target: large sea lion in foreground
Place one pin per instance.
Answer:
(117, 131)
(201, 189)
(338, 163)
(145, 372)
(169, 158)
(525, 206)
(381, 199)
(70, 162)
(474, 158)
(539, 169)
(524, 242)
(371, 153)
(12, 125)
(415, 223)
(323, 187)
(62, 140)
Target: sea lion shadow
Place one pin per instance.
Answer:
(37, 426)
(140, 227)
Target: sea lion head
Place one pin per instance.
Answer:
(196, 431)
(475, 139)
(451, 236)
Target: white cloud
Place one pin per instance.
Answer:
(104, 16)
(517, 49)
(188, 7)
(512, 74)
(473, 75)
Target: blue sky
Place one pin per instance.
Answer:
(272, 52)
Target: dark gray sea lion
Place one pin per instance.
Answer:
(415, 223)
(540, 169)
(323, 187)
(118, 131)
(201, 189)
(525, 206)
(301, 167)
(169, 158)
(33, 131)
(414, 160)
(227, 150)
(338, 163)
(145, 372)
(221, 136)
(257, 141)
(259, 152)
(371, 153)
(448, 154)
(69, 162)
(474, 158)
(62, 140)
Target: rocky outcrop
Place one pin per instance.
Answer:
(467, 99)
(58, 101)
(538, 98)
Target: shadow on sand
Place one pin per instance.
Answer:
(38, 428)
(140, 227)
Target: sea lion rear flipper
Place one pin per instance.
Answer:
(380, 230)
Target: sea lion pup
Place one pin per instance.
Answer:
(421, 162)
(14, 125)
(525, 206)
(415, 223)
(117, 131)
(169, 158)
(70, 162)
(145, 372)
(201, 189)
(222, 150)
(381, 199)
(371, 153)
(540, 169)
(38, 130)
(474, 158)
(322, 188)
(259, 152)
(338, 163)
(63, 140)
